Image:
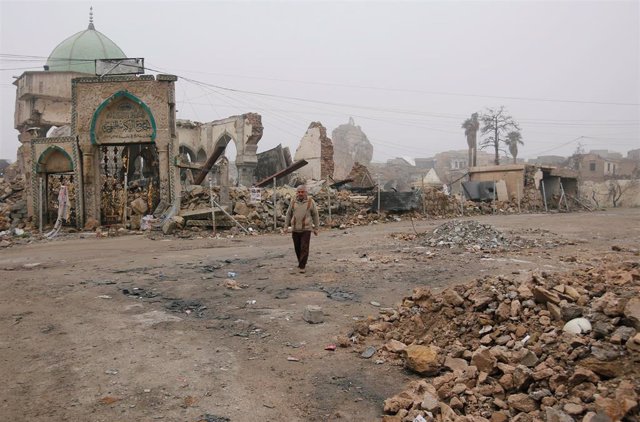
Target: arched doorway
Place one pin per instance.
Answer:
(55, 168)
(223, 170)
(188, 156)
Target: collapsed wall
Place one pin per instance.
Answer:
(273, 161)
(317, 149)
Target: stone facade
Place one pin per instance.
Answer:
(124, 110)
(131, 118)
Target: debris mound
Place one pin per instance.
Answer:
(466, 234)
(562, 347)
(13, 204)
(474, 236)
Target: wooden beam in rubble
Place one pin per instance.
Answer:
(293, 167)
(207, 166)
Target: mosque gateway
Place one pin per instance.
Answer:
(113, 139)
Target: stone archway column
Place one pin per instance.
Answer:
(90, 169)
(163, 158)
(246, 165)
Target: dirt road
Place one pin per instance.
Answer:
(138, 329)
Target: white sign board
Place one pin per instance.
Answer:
(256, 194)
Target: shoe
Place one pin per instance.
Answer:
(302, 271)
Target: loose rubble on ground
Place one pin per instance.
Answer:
(541, 347)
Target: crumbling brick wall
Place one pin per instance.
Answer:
(326, 155)
(531, 196)
(317, 149)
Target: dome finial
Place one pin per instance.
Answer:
(91, 18)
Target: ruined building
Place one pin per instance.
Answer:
(116, 138)
(350, 145)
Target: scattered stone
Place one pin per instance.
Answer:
(313, 314)
(395, 346)
(422, 359)
(555, 415)
(632, 312)
(577, 326)
(369, 352)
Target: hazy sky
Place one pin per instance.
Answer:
(408, 72)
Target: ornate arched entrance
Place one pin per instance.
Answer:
(124, 130)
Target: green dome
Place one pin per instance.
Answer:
(78, 52)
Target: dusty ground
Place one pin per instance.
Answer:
(74, 347)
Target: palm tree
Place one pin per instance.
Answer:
(471, 126)
(513, 139)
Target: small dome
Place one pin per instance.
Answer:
(78, 52)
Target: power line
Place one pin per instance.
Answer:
(424, 91)
(443, 93)
(558, 146)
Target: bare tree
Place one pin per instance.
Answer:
(616, 190)
(495, 125)
(513, 139)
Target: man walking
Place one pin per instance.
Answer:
(302, 218)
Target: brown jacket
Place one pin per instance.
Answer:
(302, 216)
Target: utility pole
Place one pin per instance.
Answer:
(378, 193)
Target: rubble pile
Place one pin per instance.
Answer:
(439, 204)
(466, 234)
(562, 347)
(346, 209)
(361, 176)
(13, 204)
(476, 237)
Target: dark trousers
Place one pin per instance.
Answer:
(301, 244)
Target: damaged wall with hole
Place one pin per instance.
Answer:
(197, 141)
(527, 185)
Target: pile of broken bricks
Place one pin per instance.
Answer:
(543, 347)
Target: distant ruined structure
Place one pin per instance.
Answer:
(350, 145)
